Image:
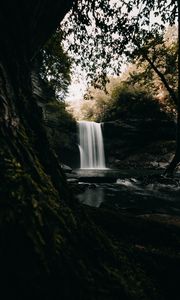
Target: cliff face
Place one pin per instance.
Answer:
(62, 135)
(136, 143)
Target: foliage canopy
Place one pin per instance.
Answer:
(123, 101)
(101, 33)
(55, 65)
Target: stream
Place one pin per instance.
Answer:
(143, 193)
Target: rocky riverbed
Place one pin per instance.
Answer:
(134, 195)
(146, 193)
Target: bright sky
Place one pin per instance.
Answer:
(78, 85)
(76, 91)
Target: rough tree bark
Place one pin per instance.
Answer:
(33, 188)
(21, 35)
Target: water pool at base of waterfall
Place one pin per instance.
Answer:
(131, 194)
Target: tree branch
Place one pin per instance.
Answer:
(163, 79)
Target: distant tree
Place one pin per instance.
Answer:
(159, 58)
(155, 67)
(122, 101)
(176, 159)
(55, 65)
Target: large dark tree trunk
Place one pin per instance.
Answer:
(22, 32)
(33, 189)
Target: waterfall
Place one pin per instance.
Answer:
(91, 145)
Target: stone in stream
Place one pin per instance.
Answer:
(66, 168)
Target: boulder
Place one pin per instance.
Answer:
(66, 168)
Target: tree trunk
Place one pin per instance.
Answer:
(163, 79)
(176, 159)
(33, 189)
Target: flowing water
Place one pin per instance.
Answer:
(120, 191)
(130, 191)
(91, 145)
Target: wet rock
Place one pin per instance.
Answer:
(162, 218)
(163, 165)
(66, 168)
(72, 180)
(92, 186)
(72, 175)
(154, 164)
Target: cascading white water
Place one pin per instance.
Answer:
(91, 145)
